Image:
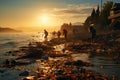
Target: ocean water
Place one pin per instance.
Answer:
(10, 42)
(13, 41)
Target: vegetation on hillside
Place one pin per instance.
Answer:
(100, 18)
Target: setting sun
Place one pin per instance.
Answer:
(45, 19)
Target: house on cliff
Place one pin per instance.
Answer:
(74, 31)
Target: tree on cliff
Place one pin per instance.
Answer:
(105, 13)
(100, 19)
(93, 18)
(98, 11)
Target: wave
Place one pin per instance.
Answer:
(13, 43)
(10, 43)
(5, 39)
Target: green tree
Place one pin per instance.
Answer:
(93, 14)
(100, 19)
(105, 13)
(98, 11)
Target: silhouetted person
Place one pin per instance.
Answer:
(65, 33)
(54, 34)
(46, 34)
(58, 34)
(93, 32)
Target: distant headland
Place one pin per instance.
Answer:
(9, 30)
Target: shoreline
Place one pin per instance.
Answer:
(46, 50)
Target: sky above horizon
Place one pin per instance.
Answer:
(26, 13)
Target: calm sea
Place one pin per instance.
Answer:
(10, 42)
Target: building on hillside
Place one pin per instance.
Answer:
(74, 31)
(115, 16)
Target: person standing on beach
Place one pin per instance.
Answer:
(92, 30)
(58, 34)
(46, 34)
(65, 33)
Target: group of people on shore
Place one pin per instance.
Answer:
(91, 29)
(58, 34)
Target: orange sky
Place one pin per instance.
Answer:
(39, 14)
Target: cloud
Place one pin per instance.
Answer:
(74, 11)
(71, 13)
